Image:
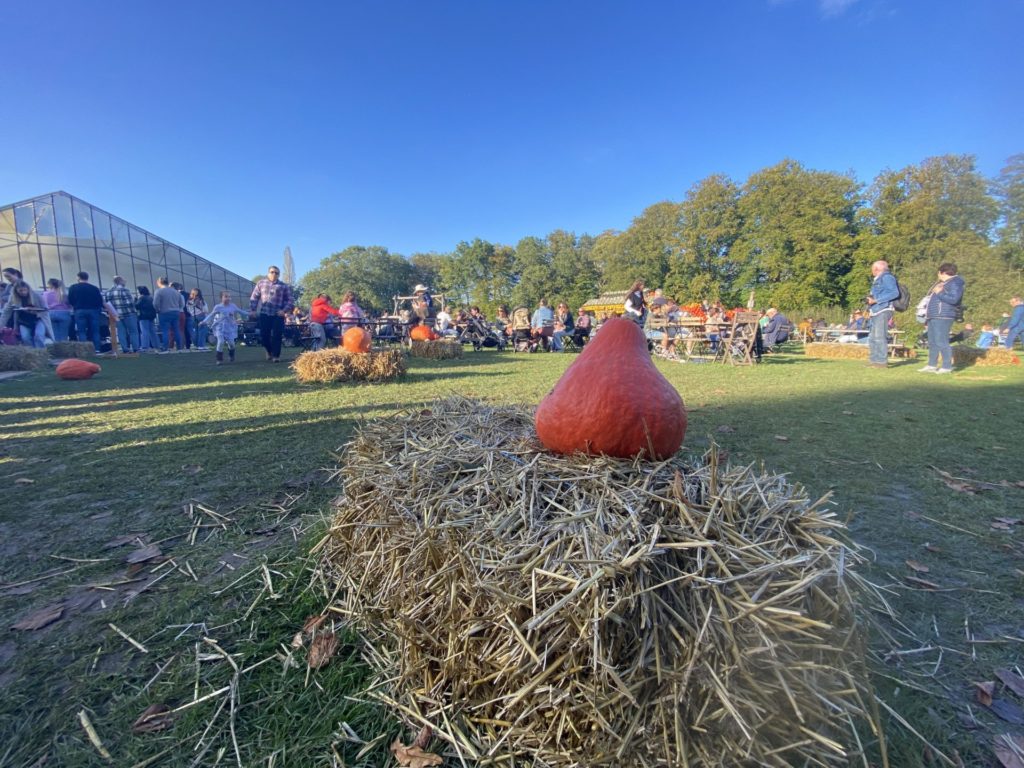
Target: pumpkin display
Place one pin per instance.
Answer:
(75, 370)
(422, 333)
(613, 401)
(356, 340)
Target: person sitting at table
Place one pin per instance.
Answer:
(349, 312)
(713, 327)
(542, 324)
(319, 316)
(658, 329)
(563, 327)
(581, 328)
(776, 330)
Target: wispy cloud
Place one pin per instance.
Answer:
(831, 8)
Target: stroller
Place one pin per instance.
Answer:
(480, 335)
(522, 336)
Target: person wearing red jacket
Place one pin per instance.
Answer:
(319, 313)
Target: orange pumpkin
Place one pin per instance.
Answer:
(613, 401)
(422, 333)
(74, 369)
(356, 340)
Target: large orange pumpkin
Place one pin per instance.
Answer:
(75, 369)
(356, 340)
(422, 333)
(613, 401)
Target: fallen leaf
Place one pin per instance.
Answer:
(924, 583)
(423, 737)
(956, 484)
(312, 623)
(782, 438)
(192, 469)
(1008, 520)
(1001, 526)
(919, 567)
(1008, 750)
(1008, 711)
(414, 757)
(156, 717)
(297, 641)
(932, 547)
(24, 481)
(120, 541)
(1011, 680)
(725, 429)
(41, 618)
(144, 554)
(984, 692)
(322, 649)
(848, 413)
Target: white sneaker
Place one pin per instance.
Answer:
(927, 369)
(944, 370)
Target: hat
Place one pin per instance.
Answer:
(420, 289)
(658, 301)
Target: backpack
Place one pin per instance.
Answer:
(902, 302)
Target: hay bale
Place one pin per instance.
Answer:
(579, 611)
(15, 358)
(965, 356)
(836, 351)
(329, 365)
(442, 349)
(69, 349)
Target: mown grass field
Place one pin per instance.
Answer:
(94, 471)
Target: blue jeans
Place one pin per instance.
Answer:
(147, 332)
(199, 331)
(938, 342)
(87, 321)
(34, 336)
(168, 326)
(128, 333)
(878, 350)
(1010, 337)
(60, 319)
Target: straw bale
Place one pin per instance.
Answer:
(441, 349)
(65, 349)
(328, 365)
(14, 358)
(964, 356)
(836, 351)
(580, 611)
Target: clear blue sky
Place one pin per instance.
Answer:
(237, 128)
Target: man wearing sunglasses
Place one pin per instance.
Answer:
(272, 300)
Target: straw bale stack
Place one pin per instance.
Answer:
(442, 349)
(328, 365)
(963, 355)
(578, 611)
(836, 351)
(14, 358)
(66, 349)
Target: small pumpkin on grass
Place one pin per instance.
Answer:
(76, 370)
(356, 340)
(613, 401)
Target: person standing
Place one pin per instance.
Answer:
(147, 316)
(127, 325)
(1015, 326)
(884, 291)
(223, 318)
(60, 311)
(273, 299)
(635, 306)
(169, 305)
(195, 312)
(943, 307)
(87, 302)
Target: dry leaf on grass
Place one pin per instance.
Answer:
(725, 429)
(24, 481)
(1008, 711)
(1009, 751)
(1000, 526)
(41, 618)
(956, 484)
(1008, 520)
(192, 469)
(919, 567)
(414, 757)
(423, 737)
(156, 717)
(144, 554)
(120, 541)
(984, 692)
(298, 641)
(932, 548)
(313, 622)
(1011, 680)
(782, 438)
(322, 649)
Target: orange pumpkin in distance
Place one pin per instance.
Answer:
(356, 340)
(422, 333)
(76, 370)
(613, 401)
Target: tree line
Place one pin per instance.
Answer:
(802, 239)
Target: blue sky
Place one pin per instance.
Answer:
(237, 128)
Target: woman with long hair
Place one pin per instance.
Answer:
(31, 318)
(56, 300)
(195, 312)
(636, 306)
(349, 312)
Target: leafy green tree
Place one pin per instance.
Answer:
(645, 250)
(1009, 191)
(373, 273)
(798, 236)
(574, 277)
(533, 273)
(426, 270)
(479, 273)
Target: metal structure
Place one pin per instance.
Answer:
(59, 235)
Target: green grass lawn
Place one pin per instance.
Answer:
(96, 470)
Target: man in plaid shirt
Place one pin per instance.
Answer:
(274, 300)
(123, 302)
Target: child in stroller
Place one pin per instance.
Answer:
(475, 331)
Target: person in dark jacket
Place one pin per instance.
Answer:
(1015, 325)
(776, 330)
(87, 302)
(147, 320)
(943, 307)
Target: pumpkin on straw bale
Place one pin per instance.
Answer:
(586, 611)
(423, 333)
(15, 358)
(436, 350)
(327, 365)
(964, 356)
(356, 340)
(64, 349)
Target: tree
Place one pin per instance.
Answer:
(373, 274)
(798, 235)
(479, 273)
(574, 277)
(1009, 191)
(645, 250)
(533, 273)
(427, 268)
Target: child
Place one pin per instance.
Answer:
(987, 337)
(222, 318)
